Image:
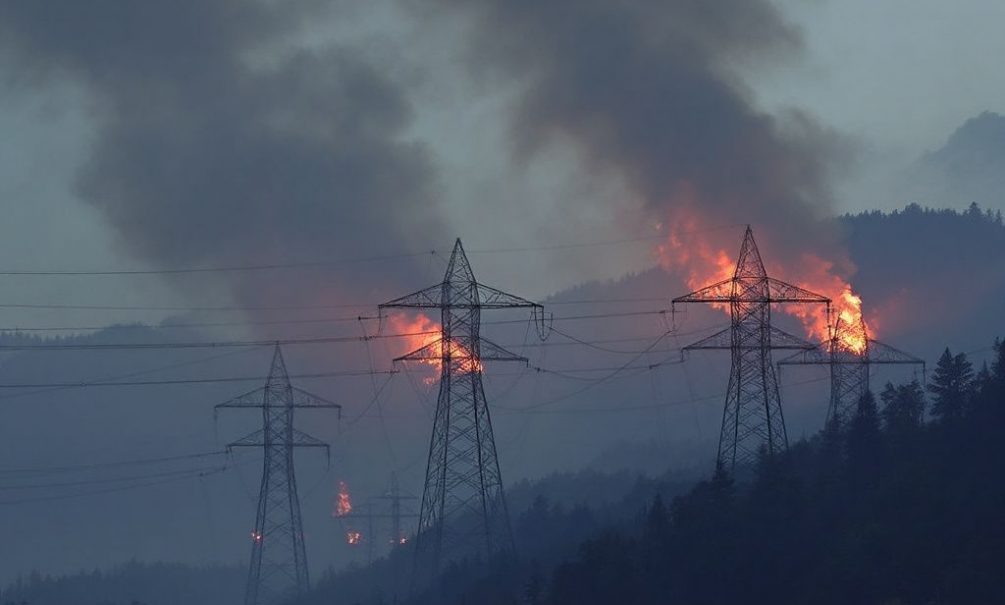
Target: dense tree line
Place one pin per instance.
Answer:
(903, 505)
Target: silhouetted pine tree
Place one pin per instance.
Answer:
(903, 407)
(952, 386)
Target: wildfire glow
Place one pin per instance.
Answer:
(425, 332)
(818, 275)
(705, 260)
(343, 501)
(353, 538)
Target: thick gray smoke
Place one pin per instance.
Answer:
(650, 91)
(222, 139)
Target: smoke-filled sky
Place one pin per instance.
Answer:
(195, 134)
(363, 137)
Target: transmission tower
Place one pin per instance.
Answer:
(395, 499)
(463, 509)
(752, 418)
(278, 569)
(391, 513)
(850, 353)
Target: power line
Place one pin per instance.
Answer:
(534, 408)
(135, 383)
(113, 489)
(243, 309)
(163, 326)
(161, 368)
(104, 480)
(286, 341)
(328, 263)
(218, 269)
(210, 345)
(101, 465)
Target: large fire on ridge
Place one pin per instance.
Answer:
(424, 331)
(687, 247)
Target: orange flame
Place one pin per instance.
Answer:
(688, 248)
(817, 275)
(353, 538)
(343, 501)
(424, 331)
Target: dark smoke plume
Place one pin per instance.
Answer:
(650, 91)
(220, 140)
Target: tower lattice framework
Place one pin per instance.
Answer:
(463, 509)
(752, 418)
(278, 569)
(850, 372)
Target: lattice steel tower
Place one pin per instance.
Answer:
(278, 568)
(463, 510)
(850, 353)
(752, 418)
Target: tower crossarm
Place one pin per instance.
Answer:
(301, 399)
(488, 350)
(718, 292)
(882, 353)
(487, 298)
(427, 352)
(779, 339)
(252, 399)
(818, 355)
(752, 290)
(877, 353)
(305, 399)
(257, 439)
(492, 298)
(784, 292)
(427, 298)
(492, 352)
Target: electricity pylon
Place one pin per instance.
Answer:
(463, 509)
(394, 498)
(752, 418)
(278, 569)
(391, 513)
(850, 365)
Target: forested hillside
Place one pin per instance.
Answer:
(901, 505)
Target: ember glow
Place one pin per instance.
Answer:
(424, 332)
(343, 501)
(705, 261)
(353, 538)
(817, 275)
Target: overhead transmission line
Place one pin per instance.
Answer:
(221, 344)
(179, 381)
(120, 488)
(322, 264)
(237, 308)
(115, 464)
(296, 341)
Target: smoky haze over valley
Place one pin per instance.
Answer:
(185, 183)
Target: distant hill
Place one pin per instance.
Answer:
(969, 167)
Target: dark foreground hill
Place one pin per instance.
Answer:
(901, 505)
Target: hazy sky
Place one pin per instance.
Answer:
(894, 77)
(194, 133)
